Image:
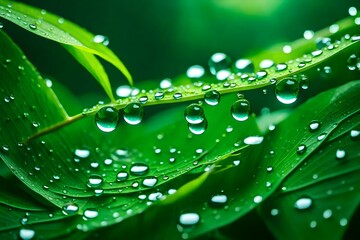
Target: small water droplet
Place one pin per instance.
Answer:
(352, 11)
(287, 91)
(219, 65)
(240, 110)
(261, 74)
(107, 119)
(198, 128)
(165, 83)
(94, 181)
(323, 42)
(258, 199)
(334, 28)
(218, 201)
(244, 66)
(274, 212)
(308, 34)
(133, 113)
(123, 91)
(70, 209)
(313, 224)
(236, 162)
(26, 233)
(189, 219)
(194, 114)
(253, 140)
(90, 213)
(195, 71)
(159, 95)
(316, 53)
(303, 203)
(301, 149)
(304, 82)
(82, 153)
(32, 26)
(321, 137)
(281, 67)
(287, 49)
(177, 95)
(101, 39)
(149, 182)
(353, 62)
(340, 154)
(355, 134)
(139, 169)
(143, 99)
(212, 97)
(327, 214)
(343, 222)
(266, 63)
(269, 169)
(5, 148)
(314, 126)
(122, 176)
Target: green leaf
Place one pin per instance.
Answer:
(79, 42)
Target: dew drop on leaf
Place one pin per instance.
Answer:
(101, 39)
(321, 137)
(308, 34)
(94, 181)
(133, 113)
(70, 209)
(159, 95)
(313, 224)
(316, 53)
(177, 95)
(122, 176)
(327, 214)
(287, 91)
(240, 110)
(123, 91)
(281, 67)
(90, 213)
(195, 71)
(139, 169)
(355, 134)
(218, 201)
(5, 148)
(353, 62)
(258, 199)
(340, 154)
(266, 63)
(32, 26)
(149, 182)
(165, 83)
(303, 203)
(274, 212)
(198, 128)
(143, 99)
(253, 140)
(301, 149)
(26, 233)
(194, 114)
(107, 119)
(261, 74)
(343, 222)
(189, 219)
(82, 153)
(212, 97)
(314, 126)
(323, 42)
(219, 65)
(244, 66)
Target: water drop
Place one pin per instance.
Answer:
(355, 134)
(82, 153)
(343, 222)
(269, 169)
(149, 182)
(218, 201)
(316, 53)
(5, 148)
(287, 90)
(139, 169)
(334, 28)
(287, 49)
(70, 209)
(195, 71)
(266, 63)
(352, 11)
(26, 233)
(261, 74)
(122, 176)
(177, 95)
(218, 63)
(194, 114)
(244, 66)
(258, 199)
(353, 62)
(304, 82)
(327, 214)
(281, 67)
(198, 128)
(165, 83)
(90, 213)
(301, 149)
(308, 34)
(314, 126)
(133, 113)
(253, 140)
(274, 212)
(123, 91)
(313, 224)
(236, 162)
(143, 99)
(240, 110)
(323, 42)
(94, 181)
(189, 219)
(212, 97)
(340, 154)
(303, 203)
(321, 137)
(32, 26)
(159, 95)
(107, 119)
(101, 39)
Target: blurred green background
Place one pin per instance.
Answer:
(162, 38)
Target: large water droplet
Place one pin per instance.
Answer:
(139, 169)
(218, 201)
(287, 90)
(194, 114)
(133, 113)
(195, 71)
(199, 128)
(90, 213)
(107, 119)
(149, 182)
(70, 209)
(314, 126)
(26, 233)
(303, 203)
(189, 219)
(340, 154)
(220, 65)
(240, 110)
(212, 97)
(94, 181)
